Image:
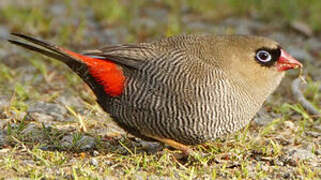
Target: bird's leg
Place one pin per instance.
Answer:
(186, 150)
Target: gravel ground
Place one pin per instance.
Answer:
(51, 126)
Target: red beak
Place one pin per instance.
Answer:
(286, 62)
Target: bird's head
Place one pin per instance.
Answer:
(256, 63)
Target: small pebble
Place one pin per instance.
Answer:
(262, 117)
(84, 143)
(95, 153)
(301, 154)
(317, 152)
(318, 127)
(313, 134)
(31, 129)
(289, 125)
(93, 162)
(108, 163)
(2, 138)
(286, 175)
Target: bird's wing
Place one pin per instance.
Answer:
(128, 55)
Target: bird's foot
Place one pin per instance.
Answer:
(186, 150)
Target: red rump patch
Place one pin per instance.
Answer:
(105, 72)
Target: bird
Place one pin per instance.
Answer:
(183, 90)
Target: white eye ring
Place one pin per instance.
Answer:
(263, 56)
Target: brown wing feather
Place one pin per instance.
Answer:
(127, 55)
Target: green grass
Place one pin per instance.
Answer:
(254, 152)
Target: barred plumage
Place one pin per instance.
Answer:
(177, 95)
(188, 88)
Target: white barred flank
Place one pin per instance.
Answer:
(165, 97)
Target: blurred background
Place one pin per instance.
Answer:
(44, 105)
(86, 22)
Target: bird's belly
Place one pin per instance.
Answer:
(190, 122)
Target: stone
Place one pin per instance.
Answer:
(150, 146)
(312, 134)
(70, 100)
(66, 141)
(87, 142)
(95, 153)
(283, 140)
(31, 129)
(302, 28)
(289, 125)
(4, 32)
(55, 110)
(40, 117)
(280, 37)
(314, 44)
(317, 127)
(93, 162)
(262, 117)
(2, 138)
(84, 143)
(4, 102)
(301, 154)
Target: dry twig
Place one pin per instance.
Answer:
(300, 97)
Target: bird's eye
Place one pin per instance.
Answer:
(263, 56)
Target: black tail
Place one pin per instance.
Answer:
(72, 59)
(45, 48)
